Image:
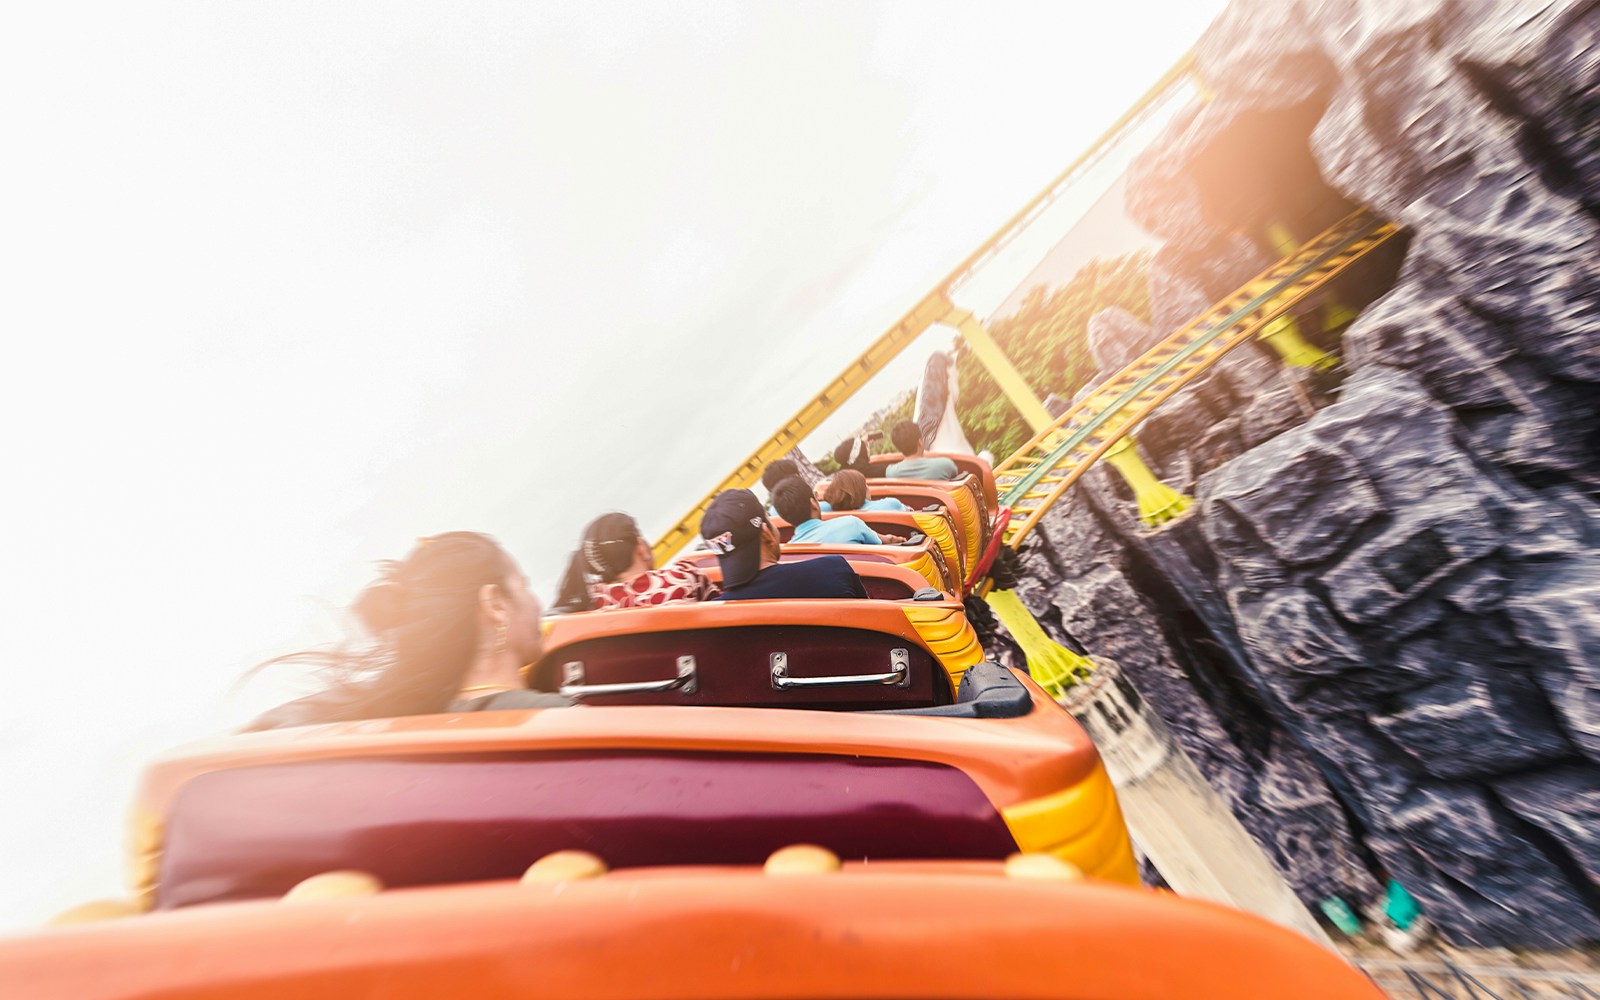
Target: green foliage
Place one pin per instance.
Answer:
(900, 411)
(1046, 338)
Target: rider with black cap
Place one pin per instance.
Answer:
(747, 545)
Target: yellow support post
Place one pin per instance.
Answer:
(1281, 238)
(1283, 333)
(926, 313)
(1158, 502)
(1000, 368)
(1338, 314)
(1051, 664)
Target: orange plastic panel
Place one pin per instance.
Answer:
(966, 464)
(1022, 765)
(1013, 761)
(943, 527)
(879, 932)
(868, 615)
(940, 526)
(961, 498)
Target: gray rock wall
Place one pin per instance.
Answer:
(1079, 581)
(1391, 586)
(1399, 597)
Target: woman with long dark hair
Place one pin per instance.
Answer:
(614, 567)
(452, 627)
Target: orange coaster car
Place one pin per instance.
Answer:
(802, 929)
(959, 498)
(884, 581)
(466, 797)
(972, 498)
(969, 465)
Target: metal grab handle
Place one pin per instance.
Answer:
(899, 674)
(572, 684)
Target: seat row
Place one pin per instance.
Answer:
(905, 647)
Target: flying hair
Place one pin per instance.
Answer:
(420, 625)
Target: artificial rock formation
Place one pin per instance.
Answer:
(1386, 582)
(1077, 580)
(1401, 592)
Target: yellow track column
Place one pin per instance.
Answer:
(1052, 665)
(1158, 502)
(1283, 334)
(1000, 368)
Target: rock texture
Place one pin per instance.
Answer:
(1386, 580)
(1384, 618)
(1077, 581)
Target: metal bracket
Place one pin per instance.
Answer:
(899, 674)
(573, 687)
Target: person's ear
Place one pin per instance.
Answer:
(492, 603)
(645, 552)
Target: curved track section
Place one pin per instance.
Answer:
(935, 307)
(1042, 470)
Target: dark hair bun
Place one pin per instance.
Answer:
(608, 544)
(853, 453)
(382, 607)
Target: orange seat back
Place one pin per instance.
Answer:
(878, 931)
(962, 498)
(779, 653)
(968, 465)
(940, 526)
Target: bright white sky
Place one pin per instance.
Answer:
(290, 285)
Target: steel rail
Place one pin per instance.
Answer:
(1162, 371)
(933, 308)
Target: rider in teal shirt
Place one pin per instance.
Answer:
(835, 531)
(798, 505)
(914, 464)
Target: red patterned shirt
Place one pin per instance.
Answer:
(678, 582)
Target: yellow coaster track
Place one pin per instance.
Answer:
(1043, 469)
(935, 307)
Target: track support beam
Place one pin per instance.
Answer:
(1000, 368)
(1158, 502)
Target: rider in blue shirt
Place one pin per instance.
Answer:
(798, 505)
(835, 531)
